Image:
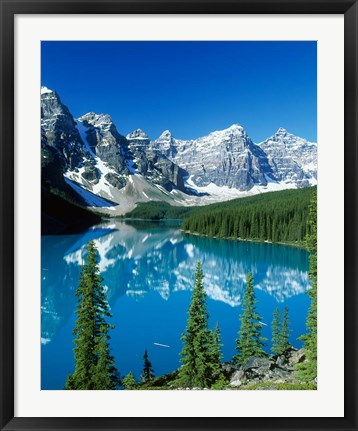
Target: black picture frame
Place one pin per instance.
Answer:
(8, 11)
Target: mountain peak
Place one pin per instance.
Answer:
(235, 129)
(96, 119)
(281, 131)
(236, 126)
(137, 134)
(165, 136)
(45, 90)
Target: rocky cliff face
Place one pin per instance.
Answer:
(291, 159)
(105, 141)
(226, 158)
(59, 129)
(100, 136)
(153, 164)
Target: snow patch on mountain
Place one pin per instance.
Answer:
(45, 90)
(212, 193)
(92, 199)
(102, 187)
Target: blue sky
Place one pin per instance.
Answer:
(190, 88)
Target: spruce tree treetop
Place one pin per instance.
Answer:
(129, 381)
(280, 332)
(148, 372)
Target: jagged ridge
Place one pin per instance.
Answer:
(97, 160)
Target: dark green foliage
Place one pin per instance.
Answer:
(94, 366)
(285, 331)
(129, 382)
(280, 332)
(198, 351)
(220, 384)
(308, 369)
(249, 341)
(148, 372)
(276, 333)
(217, 355)
(106, 375)
(275, 216)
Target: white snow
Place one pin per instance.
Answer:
(90, 198)
(45, 90)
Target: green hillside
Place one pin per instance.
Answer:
(276, 216)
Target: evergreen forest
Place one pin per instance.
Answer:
(277, 217)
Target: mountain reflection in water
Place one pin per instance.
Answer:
(147, 265)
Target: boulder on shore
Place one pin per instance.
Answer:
(274, 368)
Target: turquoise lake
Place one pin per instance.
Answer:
(148, 270)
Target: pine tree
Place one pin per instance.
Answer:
(217, 355)
(216, 358)
(92, 350)
(285, 332)
(307, 370)
(249, 341)
(129, 381)
(196, 354)
(221, 383)
(148, 372)
(276, 333)
(280, 332)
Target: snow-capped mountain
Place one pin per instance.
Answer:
(292, 159)
(225, 158)
(113, 172)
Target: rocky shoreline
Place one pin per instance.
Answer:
(274, 372)
(274, 369)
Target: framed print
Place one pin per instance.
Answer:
(178, 223)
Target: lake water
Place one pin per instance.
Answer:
(148, 270)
